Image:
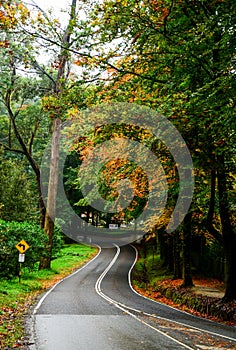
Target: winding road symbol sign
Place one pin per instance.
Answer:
(22, 246)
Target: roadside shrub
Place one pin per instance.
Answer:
(12, 233)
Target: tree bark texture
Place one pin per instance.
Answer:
(63, 59)
(187, 234)
(52, 193)
(229, 236)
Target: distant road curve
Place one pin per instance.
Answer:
(97, 308)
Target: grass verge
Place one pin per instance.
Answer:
(16, 298)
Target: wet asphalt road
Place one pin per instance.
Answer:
(96, 308)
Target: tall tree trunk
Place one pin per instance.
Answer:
(52, 194)
(164, 247)
(170, 243)
(176, 255)
(54, 161)
(210, 215)
(229, 236)
(187, 235)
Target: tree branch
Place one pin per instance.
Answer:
(32, 137)
(106, 63)
(166, 17)
(6, 148)
(42, 70)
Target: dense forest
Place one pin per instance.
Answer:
(168, 58)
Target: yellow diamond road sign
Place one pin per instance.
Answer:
(22, 246)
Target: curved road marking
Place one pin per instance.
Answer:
(118, 305)
(125, 308)
(166, 319)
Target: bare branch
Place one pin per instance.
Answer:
(42, 70)
(6, 148)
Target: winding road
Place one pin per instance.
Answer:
(97, 308)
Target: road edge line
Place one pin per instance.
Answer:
(31, 325)
(184, 312)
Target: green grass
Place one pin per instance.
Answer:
(149, 270)
(16, 298)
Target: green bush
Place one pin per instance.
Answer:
(12, 233)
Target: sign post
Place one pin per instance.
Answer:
(22, 246)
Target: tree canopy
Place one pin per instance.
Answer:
(175, 57)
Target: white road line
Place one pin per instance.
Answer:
(125, 308)
(55, 285)
(118, 305)
(167, 319)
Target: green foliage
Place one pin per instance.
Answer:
(17, 191)
(179, 58)
(12, 233)
(175, 57)
(15, 297)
